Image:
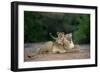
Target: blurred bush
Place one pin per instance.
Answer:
(38, 25)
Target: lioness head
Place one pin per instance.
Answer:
(68, 43)
(69, 36)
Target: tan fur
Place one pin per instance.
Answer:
(46, 48)
(54, 47)
(57, 48)
(68, 43)
(63, 44)
(59, 38)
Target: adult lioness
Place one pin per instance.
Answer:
(69, 45)
(67, 41)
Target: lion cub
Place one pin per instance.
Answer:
(54, 47)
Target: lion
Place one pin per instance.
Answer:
(46, 48)
(52, 47)
(63, 43)
(59, 38)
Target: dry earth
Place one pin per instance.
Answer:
(30, 49)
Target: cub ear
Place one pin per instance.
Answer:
(63, 33)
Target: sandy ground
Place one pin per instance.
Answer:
(30, 50)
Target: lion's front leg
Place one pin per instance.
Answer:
(76, 48)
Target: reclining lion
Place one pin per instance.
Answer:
(63, 43)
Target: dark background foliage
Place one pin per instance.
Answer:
(38, 25)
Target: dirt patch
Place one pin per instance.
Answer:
(83, 54)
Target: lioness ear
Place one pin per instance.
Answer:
(70, 34)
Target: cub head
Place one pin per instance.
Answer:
(60, 38)
(60, 34)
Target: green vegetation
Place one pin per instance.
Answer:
(38, 25)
